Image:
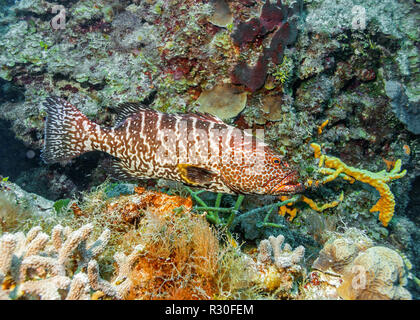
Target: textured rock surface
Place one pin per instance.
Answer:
(339, 252)
(407, 111)
(363, 79)
(376, 274)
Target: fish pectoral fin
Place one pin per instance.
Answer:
(195, 175)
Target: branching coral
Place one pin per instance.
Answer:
(334, 167)
(278, 265)
(39, 266)
(122, 283)
(282, 256)
(316, 207)
(283, 210)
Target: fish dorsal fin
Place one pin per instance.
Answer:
(195, 175)
(204, 116)
(128, 109)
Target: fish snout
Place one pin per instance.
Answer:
(288, 185)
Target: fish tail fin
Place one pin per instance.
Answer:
(66, 131)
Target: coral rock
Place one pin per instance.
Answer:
(222, 15)
(339, 252)
(224, 101)
(377, 273)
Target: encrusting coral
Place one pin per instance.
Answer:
(225, 101)
(340, 250)
(42, 267)
(334, 167)
(131, 207)
(377, 273)
(366, 272)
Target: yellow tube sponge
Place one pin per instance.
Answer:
(334, 167)
(284, 209)
(316, 207)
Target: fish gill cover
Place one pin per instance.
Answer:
(324, 92)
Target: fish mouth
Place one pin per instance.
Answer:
(288, 185)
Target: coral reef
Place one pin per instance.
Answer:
(36, 265)
(367, 272)
(176, 254)
(278, 265)
(379, 273)
(342, 73)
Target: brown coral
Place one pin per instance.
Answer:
(377, 274)
(132, 207)
(367, 272)
(180, 259)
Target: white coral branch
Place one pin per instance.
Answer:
(74, 239)
(79, 288)
(7, 247)
(97, 283)
(23, 257)
(95, 249)
(46, 289)
(273, 250)
(125, 267)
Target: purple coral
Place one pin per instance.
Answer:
(273, 16)
(247, 32)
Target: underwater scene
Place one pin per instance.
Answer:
(209, 150)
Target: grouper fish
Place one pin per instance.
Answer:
(196, 149)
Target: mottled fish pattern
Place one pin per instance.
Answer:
(196, 149)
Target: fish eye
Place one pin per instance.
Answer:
(276, 161)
